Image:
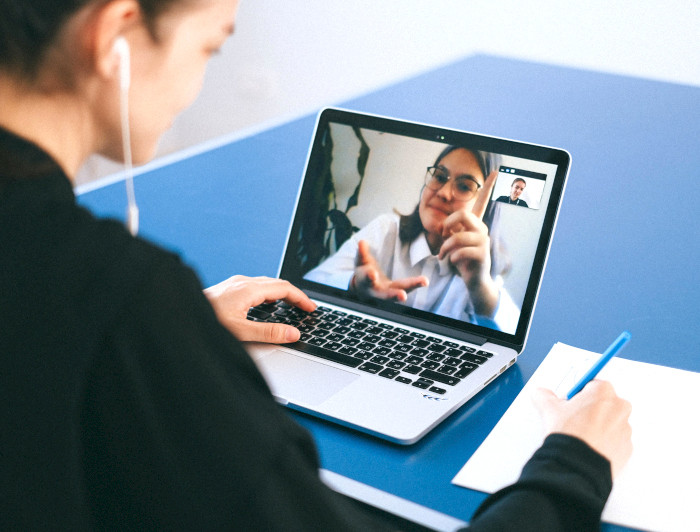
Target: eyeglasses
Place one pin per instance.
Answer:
(464, 187)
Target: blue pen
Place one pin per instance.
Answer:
(604, 359)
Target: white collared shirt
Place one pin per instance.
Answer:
(446, 293)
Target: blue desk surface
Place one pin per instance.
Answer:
(624, 256)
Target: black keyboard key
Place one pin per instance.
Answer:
(364, 355)
(327, 354)
(387, 343)
(316, 341)
(435, 357)
(421, 343)
(367, 346)
(267, 307)
(371, 368)
(429, 364)
(259, 314)
(419, 351)
(447, 370)
(380, 359)
(350, 341)
(413, 370)
(389, 334)
(452, 361)
(403, 380)
(440, 391)
(334, 346)
(347, 350)
(440, 377)
(374, 330)
(467, 349)
(464, 371)
(420, 384)
(395, 364)
(341, 329)
(356, 334)
(450, 344)
(305, 327)
(414, 360)
(474, 359)
(436, 348)
(335, 337)
(452, 352)
(417, 335)
(381, 350)
(389, 373)
(397, 355)
(484, 354)
(404, 339)
(434, 340)
(403, 348)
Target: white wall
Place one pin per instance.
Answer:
(291, 57)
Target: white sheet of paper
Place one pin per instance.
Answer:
(659, 488)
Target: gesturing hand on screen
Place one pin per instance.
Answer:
(370, 281)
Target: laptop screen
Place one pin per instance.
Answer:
(427, 224)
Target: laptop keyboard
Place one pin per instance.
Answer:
(407, 357)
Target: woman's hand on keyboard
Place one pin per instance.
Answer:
(233, 298)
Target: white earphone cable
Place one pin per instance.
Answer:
(132, 213)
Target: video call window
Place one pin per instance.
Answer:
(522, 188)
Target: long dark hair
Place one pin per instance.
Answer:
(28, 29)
(410, 225)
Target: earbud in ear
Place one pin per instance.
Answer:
(121, 48)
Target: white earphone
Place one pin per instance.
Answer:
(121, 48)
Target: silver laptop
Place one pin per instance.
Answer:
(416, 311)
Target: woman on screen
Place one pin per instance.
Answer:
(439, 257)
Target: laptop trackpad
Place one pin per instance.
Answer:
(299, 380)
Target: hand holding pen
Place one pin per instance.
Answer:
(594, 413)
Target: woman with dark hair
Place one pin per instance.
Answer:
(126, 404)
(439, 257)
